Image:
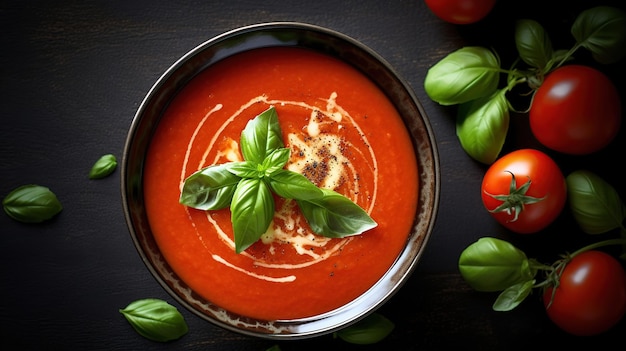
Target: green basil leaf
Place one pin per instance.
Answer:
(252, 211)
(103, 167)
(31, 204)
(602, 30)
(369, 330)
(292, 185)
(274, 347)
(335, 216)
(482, 126)
(594, 203)
(492, 264)
(276, 160)
(533, 44)
(464, 75)
(210, 188)
(155, 319)
(260, 136)
(512, 296)
(245, 169)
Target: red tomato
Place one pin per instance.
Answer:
(591, 296)
(524, 190)
(460, 11)
(576, 110)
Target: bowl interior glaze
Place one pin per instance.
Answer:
(268, 35)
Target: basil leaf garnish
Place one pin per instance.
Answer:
(247, 188)
(335, 216)
(103, 167)
(276, 160)
(369, 330)
(245, 169)
(292, 185)
(261, 136)
(210, 188)
(155, 319)
(31, 204)
(252, 211)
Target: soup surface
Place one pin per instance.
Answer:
(343, 133)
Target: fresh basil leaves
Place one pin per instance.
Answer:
(155, 319)
(103, 167)
(247, 187)
(602, 31)
(466, 74)
(470, 76)
(31, 204)
(492, 264)
(594, 203)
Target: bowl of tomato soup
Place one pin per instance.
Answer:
(350, 124)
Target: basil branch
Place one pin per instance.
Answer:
(247, 186)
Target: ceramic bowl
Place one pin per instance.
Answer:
(290, 34)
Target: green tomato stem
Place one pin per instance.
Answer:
(621, 241)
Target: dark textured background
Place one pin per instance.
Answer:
(73, 73)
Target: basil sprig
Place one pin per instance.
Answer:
(31, 203)
(471, 76)
(247, 187)
(103, 167)
(155, 319)
(495, 265)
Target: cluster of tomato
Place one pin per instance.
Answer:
(575, 111)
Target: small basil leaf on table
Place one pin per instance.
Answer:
(31, 203)
(492, 264)
(335, 216)
(369, 330)
(103, 167)
(155, 319)
(210, 188)
(594, 203)
(602, 30)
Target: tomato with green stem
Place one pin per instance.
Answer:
(590, 295)
(461, 11)
(576, 110)
(524, 190)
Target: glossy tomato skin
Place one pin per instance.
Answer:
(591, 296)
(576, 110)
(547, 182)
(461, 11)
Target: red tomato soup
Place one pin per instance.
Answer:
(344, 134)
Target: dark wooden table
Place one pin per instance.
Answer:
(72, 74)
